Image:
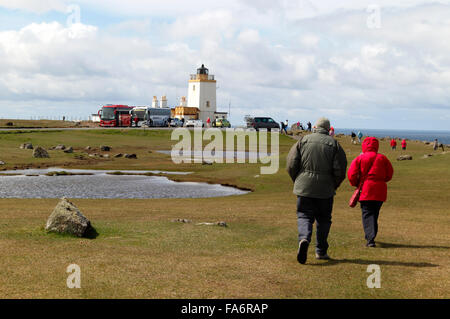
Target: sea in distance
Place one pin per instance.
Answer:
(442, 136)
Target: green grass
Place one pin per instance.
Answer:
(141, 253)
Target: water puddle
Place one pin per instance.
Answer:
(78, 183)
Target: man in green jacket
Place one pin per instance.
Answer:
(317, 164)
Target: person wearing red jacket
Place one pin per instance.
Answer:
(394, 144)
(377, 171)
(404, 144)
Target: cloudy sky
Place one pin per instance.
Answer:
(364, 64)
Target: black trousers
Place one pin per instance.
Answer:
(310, 210)
(370, 212)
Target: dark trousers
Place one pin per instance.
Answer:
(370, 212)
(310, 210)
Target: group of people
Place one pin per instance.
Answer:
(359, 136)
(299, 125)
(394, 144)
(317, 164)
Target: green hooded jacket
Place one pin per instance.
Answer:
(317, 164)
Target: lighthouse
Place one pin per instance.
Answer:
(202, 93)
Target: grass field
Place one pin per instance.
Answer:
(141, 253)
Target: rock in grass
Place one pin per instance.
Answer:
(105, 148)
(405, 158)
(2, 163)
(118, 155)
(69, 150)
(130, 156)
(39, 152)
(26, 146)
(184, 221)
(60, 147)
(66, 218)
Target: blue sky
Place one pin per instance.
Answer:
(363, 64)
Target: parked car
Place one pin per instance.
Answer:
(263, 122)
(221, 123)
(194, 123)
(175, 123)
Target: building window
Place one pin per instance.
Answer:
(207, 103)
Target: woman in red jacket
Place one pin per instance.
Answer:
(403, 144)
(377, 171)
(394, 144)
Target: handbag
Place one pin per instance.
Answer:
(355, 197)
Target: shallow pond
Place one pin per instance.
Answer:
(34, 183)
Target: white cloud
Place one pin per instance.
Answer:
(40, 6)
(268, 58)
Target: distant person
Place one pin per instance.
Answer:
(393, 144)
(298, 125)
(360, 136)
(309, 126)
(283, 127)
(374, 170)
(404, 145)
(208, 122)
(64, 118)
(435, 144)
(286, 125)
(182, 121)
(331, 132)
(353, 137)
(317, 164)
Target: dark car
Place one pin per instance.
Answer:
(264, 122)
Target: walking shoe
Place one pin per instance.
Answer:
(302, 251)
(371, 245)
(324, 256)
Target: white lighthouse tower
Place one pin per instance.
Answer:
(202, 93)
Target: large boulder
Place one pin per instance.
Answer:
(405, 158)
(66, 218)
(26, 146)
(39, 152)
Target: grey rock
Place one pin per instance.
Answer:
(2, 163)
(26, 146)
(66, 218)
(130, 156)
(88, 148)
(221, 224)
(69, 150)
(105, 148)
(405, 158)
(106, 156)
(60, 147)
(39, 152)
(184, 221)
(118, 155)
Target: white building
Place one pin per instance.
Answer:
(202, 94)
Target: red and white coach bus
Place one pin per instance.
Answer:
(115, 115)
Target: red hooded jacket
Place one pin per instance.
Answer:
(404, 143)
(393, 143)
(381, 172)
